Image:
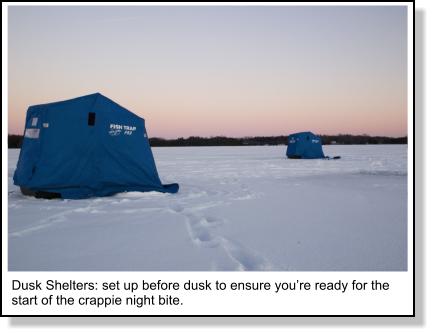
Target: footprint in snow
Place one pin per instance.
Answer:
(199, 231)
(246, 258)
(177, 208)
(211, 221)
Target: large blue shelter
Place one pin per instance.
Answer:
(304, 145)
(83, 147)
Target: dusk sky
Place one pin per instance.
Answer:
(234, 71)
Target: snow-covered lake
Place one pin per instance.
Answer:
(238, 208)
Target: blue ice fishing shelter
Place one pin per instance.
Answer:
(304, 145)
(83, 147)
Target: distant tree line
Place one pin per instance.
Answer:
(219, 141)
(15, 141)
(342, 139)
(345, 139)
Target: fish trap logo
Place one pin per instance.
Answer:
(121, 129)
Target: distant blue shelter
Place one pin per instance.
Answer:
(304, 145)
(83, 147)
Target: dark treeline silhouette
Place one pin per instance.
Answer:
(346, 139)
(218, 141)
(14, 141)
(342, 139)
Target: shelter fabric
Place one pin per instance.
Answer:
(304, 145)
(87, 146)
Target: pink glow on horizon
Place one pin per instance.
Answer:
(228, 71)
(184, 117)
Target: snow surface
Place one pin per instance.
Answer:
(239, 208)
